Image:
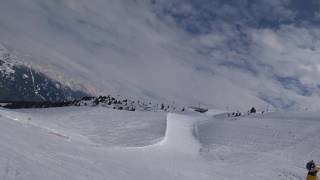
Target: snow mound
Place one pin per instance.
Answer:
(98, 126)
(97, 143)
(180, 135)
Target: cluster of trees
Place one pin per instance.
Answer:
(168, 108)
(106, 101)
(84, 101)
(103, 101)
(28, 105)
(235, 114)
(253, 110)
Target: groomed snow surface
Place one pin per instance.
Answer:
(80, 143)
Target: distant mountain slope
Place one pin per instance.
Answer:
(21, 83)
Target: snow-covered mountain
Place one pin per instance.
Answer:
(19, 82)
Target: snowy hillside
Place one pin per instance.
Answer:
(96, 143)
(20, 82)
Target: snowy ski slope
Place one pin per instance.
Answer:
(97, 143)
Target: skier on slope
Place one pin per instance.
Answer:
(313, 169)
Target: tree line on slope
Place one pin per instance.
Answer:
(101, 101)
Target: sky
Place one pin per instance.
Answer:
(272, 45)
(223, 54)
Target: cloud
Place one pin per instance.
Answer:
(232, 54)
(248, 42)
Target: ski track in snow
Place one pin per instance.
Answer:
(192, 147)
(30, 123)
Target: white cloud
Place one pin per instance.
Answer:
(123, 47)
